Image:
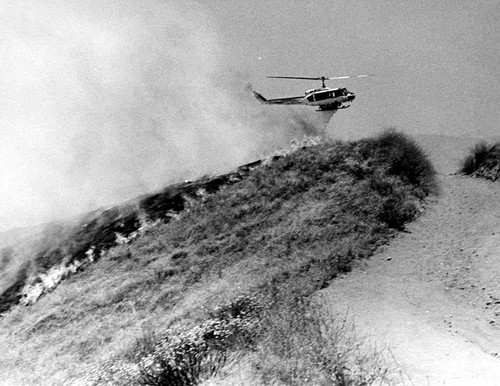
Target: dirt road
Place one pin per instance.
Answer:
(433, 295)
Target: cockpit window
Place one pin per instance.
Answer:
(323, 95)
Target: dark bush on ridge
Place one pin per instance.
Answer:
(403, 157)
(483, 161)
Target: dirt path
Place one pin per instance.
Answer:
(433, 295)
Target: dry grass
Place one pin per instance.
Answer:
(288, 228)
(308, 345)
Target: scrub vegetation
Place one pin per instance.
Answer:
(226, 276)
(483, 161)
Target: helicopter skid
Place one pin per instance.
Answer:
(330, 108)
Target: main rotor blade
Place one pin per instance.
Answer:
(347, 76)
(322, 77)
(294, 77)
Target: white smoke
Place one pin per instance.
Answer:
(103, 100)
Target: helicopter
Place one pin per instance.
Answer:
(324, 98)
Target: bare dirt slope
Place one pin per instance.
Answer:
(433, 295)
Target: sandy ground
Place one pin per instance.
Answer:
(432, 296)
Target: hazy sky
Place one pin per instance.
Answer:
(437, 62)
(101, 100)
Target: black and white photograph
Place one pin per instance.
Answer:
(247, 193)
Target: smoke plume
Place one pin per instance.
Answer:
(104, 100)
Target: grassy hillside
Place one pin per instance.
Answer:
(483, 161)
(36, 264)
(173, 294)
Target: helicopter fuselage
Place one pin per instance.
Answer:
(326, 98)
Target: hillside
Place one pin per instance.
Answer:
(48, 254)
(280, 230)
(433, 293)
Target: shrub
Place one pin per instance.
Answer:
(185, 357)
(402, 157)
(483, 161)
(244, 306)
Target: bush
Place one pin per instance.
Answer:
(186, 357)
(483, 161)
(402, 157)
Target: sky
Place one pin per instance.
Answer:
(103, 100)
(436, 62)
